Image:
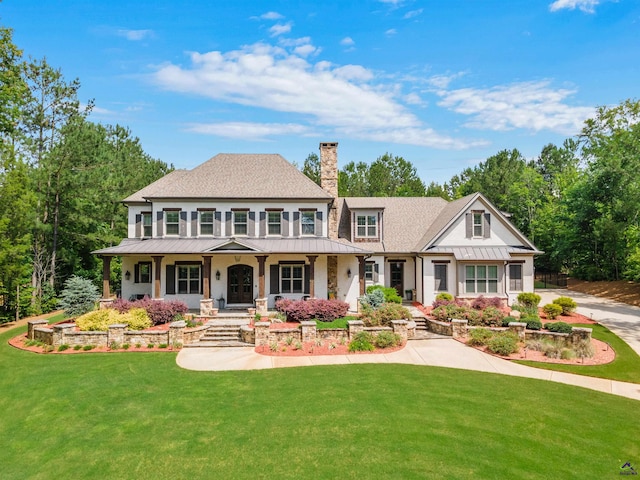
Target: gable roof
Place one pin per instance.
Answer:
(236, 176)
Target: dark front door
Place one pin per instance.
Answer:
(397, 277)
(240, 284)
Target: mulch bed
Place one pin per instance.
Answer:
(311, 349)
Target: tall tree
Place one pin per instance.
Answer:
(311, 167)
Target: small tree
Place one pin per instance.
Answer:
(78, 296)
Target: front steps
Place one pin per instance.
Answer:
(224, 331)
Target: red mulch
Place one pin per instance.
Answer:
(571, 318)
(311, 349)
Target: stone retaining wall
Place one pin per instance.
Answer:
(441, 328)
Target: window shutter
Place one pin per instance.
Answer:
(136, 273)
(217, 228)
(202, 280)
(469, 224)
(138, 225)
(160, 223)
(296, 224)
(307, 279)
(263, 224)
(251, 228)
(227, 223)
(375, 272)
(171, 279)
(275, 279)
(285, 224)
(487, 225)
(194, 224)
(183, 223)
(318, 224)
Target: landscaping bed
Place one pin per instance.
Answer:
(313, 349)
(21, 342)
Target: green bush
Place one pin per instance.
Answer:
(507, 320)
(529, 299)
(553, 349)
(568, 304)
(99, 320)
(479, 337)
(559, 327)
(584, 349)
(552, 310)
(63, 347)
(390, 293)
(444, 296)
(568, 354)
(385, 314)
(533, 323)
(492, 316)
(503, 343)
(362, 342)
(375, 298)
(387, 339)
(78, 296)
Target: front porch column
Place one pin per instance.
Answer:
(261, 301)
(206, 277)
(106, 276)
(312, 275)
(361, 264)
(157, 268)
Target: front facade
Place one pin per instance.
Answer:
(245, 230)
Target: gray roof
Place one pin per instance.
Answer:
(481, 253)
(167, 246)
(236, 176)
(405, 220)
(447, 215)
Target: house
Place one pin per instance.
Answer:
(249, 229)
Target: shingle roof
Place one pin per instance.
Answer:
(448, 213)
(156, 187)
(237, 176)
(405, 220)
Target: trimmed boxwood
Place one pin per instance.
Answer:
(533, 323)
(552, 310)
(568, 304)
(503, 343)
(559, 327)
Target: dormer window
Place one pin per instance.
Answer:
(478, 224)
(367, 226)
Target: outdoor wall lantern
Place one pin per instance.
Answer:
(217, 274)
(127, 275)
(348, 273)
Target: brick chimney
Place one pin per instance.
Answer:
(329, 182)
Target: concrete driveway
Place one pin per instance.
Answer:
(620, 318)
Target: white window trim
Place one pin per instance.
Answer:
(521, 279)
(446, 277)
(212, 223)
(167, 223)
(484, 280)
(189, 279)
(148, 215)
(312, 214)
(269, 223)
(245, 223)
(479, 213)
(292, 278)
(367, 225)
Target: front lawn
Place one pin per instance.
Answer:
(625, 368)
(138, 415)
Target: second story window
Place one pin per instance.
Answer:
(239, 223)
(147, 221)
(172, 222)
(308, 222)
(206, 222)
(478, 224)
(367, 226)
(274, 221)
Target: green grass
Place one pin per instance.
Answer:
(138, 415)
(337, 323)
(625, 367)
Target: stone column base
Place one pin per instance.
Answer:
(206, 308)
(106, 302)
(261, 306)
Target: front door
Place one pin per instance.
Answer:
(240, 284)
(397, 277)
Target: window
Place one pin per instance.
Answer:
(189, 278)
(367, 226)
(172, 222)
(368, 271)
(147, 221)
(240, 223)
(206, 222)
(440, 276)
(291, 278)
(515, 277)
(274, 222)
(478, 224)
(481, 279)
(308, 220)
(143, 272)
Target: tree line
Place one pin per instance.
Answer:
(62, 179)
(578, 202)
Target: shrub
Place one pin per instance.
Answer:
(529, 299)
(162, 345)
(482, 302)
(552, 310)
(387, 339)
(303, 310)
(553, 349)
(445, 313)
(77, 347)
(136, 319)
(503, 343)
(568, 354)
(78, 296)
(533, 323)
(390, 293)
(63, 347)
(362, 342)
(99, 320)
(444, 296)
(159, 311)
(373, 299)
(559, 327)
(479, 337)
(125, 346)
(507, 320)
(568, 304)
(584, 349)
(492, 316)
(114, 346)
(385, 315)
(473, 317)
(526, 310)
(88, 347)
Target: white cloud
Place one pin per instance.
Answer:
(135, 35)
(247, 130)
(528, 105)
(280, 29)
(443, 81)
(270, 16)
(348, 99)
(587, 6)
(390, 32)
(347, 42)
(413, 13)
(413, 99)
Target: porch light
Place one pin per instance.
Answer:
(127, 275)
(348, 273)
(217, 274)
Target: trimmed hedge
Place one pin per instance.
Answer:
(159, 311)
(527, 299)
(313, 308)
(559, 327)
(568, 304)
(99, 320)
(384, 315)
(552, 310)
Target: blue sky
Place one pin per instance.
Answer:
(444, 84)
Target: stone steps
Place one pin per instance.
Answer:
(222, 334)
